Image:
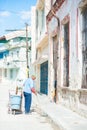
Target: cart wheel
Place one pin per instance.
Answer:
(8, 111)
(11, 112)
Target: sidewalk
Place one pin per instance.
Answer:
(61, 116)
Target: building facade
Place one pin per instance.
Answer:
(13, 68)
(40, 46)
(66, 23)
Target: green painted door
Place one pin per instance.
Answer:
(44, 78)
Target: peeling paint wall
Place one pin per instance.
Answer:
(40, 42)
(71, 95)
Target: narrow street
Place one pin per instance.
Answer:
(43, 45)
(34, 121)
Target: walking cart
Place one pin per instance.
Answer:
(15, 102)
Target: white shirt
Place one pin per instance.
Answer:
(28, 84)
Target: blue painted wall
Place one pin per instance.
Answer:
(4, 53)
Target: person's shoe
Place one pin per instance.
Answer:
(32, 110)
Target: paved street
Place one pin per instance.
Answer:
(46, 115)
(34, 121)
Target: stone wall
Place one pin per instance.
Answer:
(76, 99)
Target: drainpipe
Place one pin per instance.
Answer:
(56, 82)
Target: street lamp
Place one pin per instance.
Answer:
(27, 64)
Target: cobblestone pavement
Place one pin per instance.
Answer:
(34, 121)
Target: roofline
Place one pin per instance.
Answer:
(3, 38)
(56, 6)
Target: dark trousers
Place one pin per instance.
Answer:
(28, 99)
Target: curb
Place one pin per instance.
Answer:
(49, 118)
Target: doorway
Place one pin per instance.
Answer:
(44, 78)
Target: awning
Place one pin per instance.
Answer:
(21, 34)
(42, 41)
(41, 59)
(14, 34)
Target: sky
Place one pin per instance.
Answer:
(14, 14)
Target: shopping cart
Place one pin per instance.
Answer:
(15, 102)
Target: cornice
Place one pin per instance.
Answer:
(40, 4)
(54, 8)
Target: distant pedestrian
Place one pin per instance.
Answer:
(27, 91)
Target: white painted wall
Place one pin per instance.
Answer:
(33, 34)
(70, 8)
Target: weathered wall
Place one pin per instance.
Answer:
(72, 96)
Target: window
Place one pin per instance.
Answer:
(66, 56)
(11, 73)
(17, 53)
(43, 19)
(36, 25)
(5, 72)
(12, 54)
(84, 49)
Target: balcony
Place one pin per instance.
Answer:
(42, 40)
